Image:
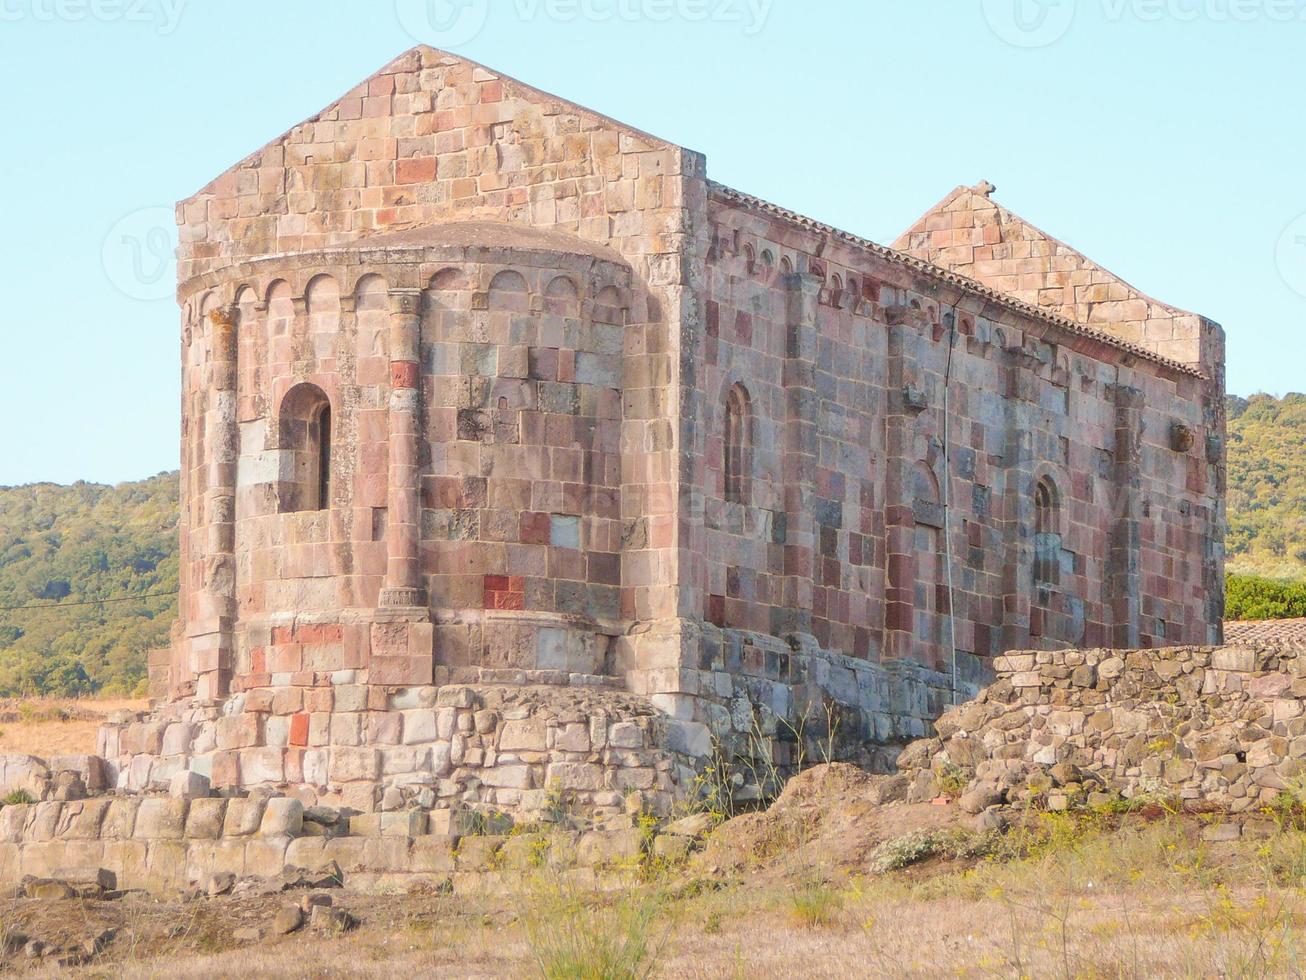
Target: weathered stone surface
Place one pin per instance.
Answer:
(287, 920)
(205, 819)
(1143, 725)
(161, 819)
(244, 816)
(188, 785)
(283, 817)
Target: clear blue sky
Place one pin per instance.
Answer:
(1162, 137)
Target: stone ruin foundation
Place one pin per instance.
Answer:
(1218, 727)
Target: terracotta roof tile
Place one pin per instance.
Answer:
(1267, 631)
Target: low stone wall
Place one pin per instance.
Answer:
(774, 705)
(763, 705)
(512, 748)
(1224, 726)
(158, 844)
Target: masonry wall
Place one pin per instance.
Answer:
(847, 364)
(429, 140)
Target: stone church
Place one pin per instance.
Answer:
(517, 453)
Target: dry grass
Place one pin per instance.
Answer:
(1075, 899)
(47, 726)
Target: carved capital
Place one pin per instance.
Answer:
(405, 301)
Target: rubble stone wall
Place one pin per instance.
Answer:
(1225, 726)
(511, 748)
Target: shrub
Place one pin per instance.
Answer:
(1251, 597)
(815, 905)
(573, 940)
(920, 845)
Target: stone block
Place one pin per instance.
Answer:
(477, 853)
(44, 822)
(188, 785)
(83, 819)
(419, 726)
(625, 735)
(265, 856)
(432, 855)
(120, 819)
(690, 738)
(351, 763)
(283, 817)
(526, 735)
(13, 822)
(345, 851)
(575, 776)
(386, 853)
(205, 819)
(507, 777)
(244, 817)
(161, 819)
(307, 852)
(600, 847)
(1240, 659)
(262, 766)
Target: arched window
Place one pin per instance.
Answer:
(1047, 534)
(305, 430)
(738, 445)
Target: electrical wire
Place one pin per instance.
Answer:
(91, 602)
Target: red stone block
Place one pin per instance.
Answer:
(286, 659)
(417, 170)
(403, 374)
(534, 528)
(510, 600)
(226, 769)
(744, 328)
(283, 634)
(299, 729)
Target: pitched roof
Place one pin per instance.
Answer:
(1269, 632)
(971, 234)
(424, 55)
(962, 282)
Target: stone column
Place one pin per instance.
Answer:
(403, 580)
(800, 452)
(1123, 574)
(211, 639)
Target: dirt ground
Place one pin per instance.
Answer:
(50, 726)
(801, 890)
